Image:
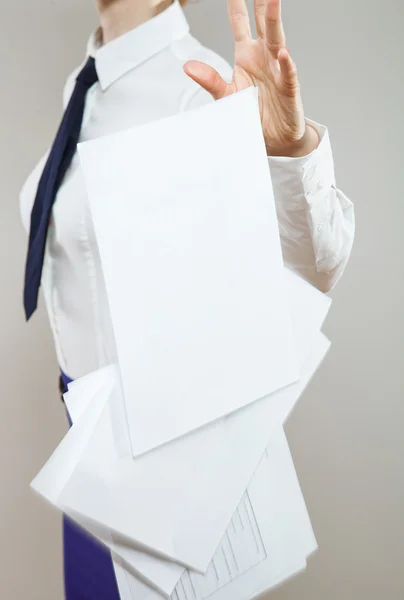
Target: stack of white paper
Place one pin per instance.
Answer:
(176, 459)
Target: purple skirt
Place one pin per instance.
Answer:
(88, 568)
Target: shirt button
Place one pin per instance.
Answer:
(320, 227)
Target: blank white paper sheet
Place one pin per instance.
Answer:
(185, 221)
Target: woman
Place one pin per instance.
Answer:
(147, 66)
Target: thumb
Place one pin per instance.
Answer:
(208, 78)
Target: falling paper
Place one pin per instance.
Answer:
(268, 540)
(308, 309)
(193, 266)
(215, 342)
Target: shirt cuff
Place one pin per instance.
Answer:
(300, 180)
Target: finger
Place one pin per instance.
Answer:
(239, 20)
(208, 78)
(288, 78)
(259, 10)
(275, 35)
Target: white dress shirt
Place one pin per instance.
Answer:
(141, 80)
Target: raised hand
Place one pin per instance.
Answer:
(266, 63)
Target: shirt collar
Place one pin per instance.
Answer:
(128, 51)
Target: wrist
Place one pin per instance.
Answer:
(307, 143)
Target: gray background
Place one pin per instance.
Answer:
(346, 433)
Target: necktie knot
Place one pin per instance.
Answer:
(88, 74)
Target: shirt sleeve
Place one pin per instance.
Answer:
(316, 219)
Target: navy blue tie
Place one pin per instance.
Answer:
(59, 159)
